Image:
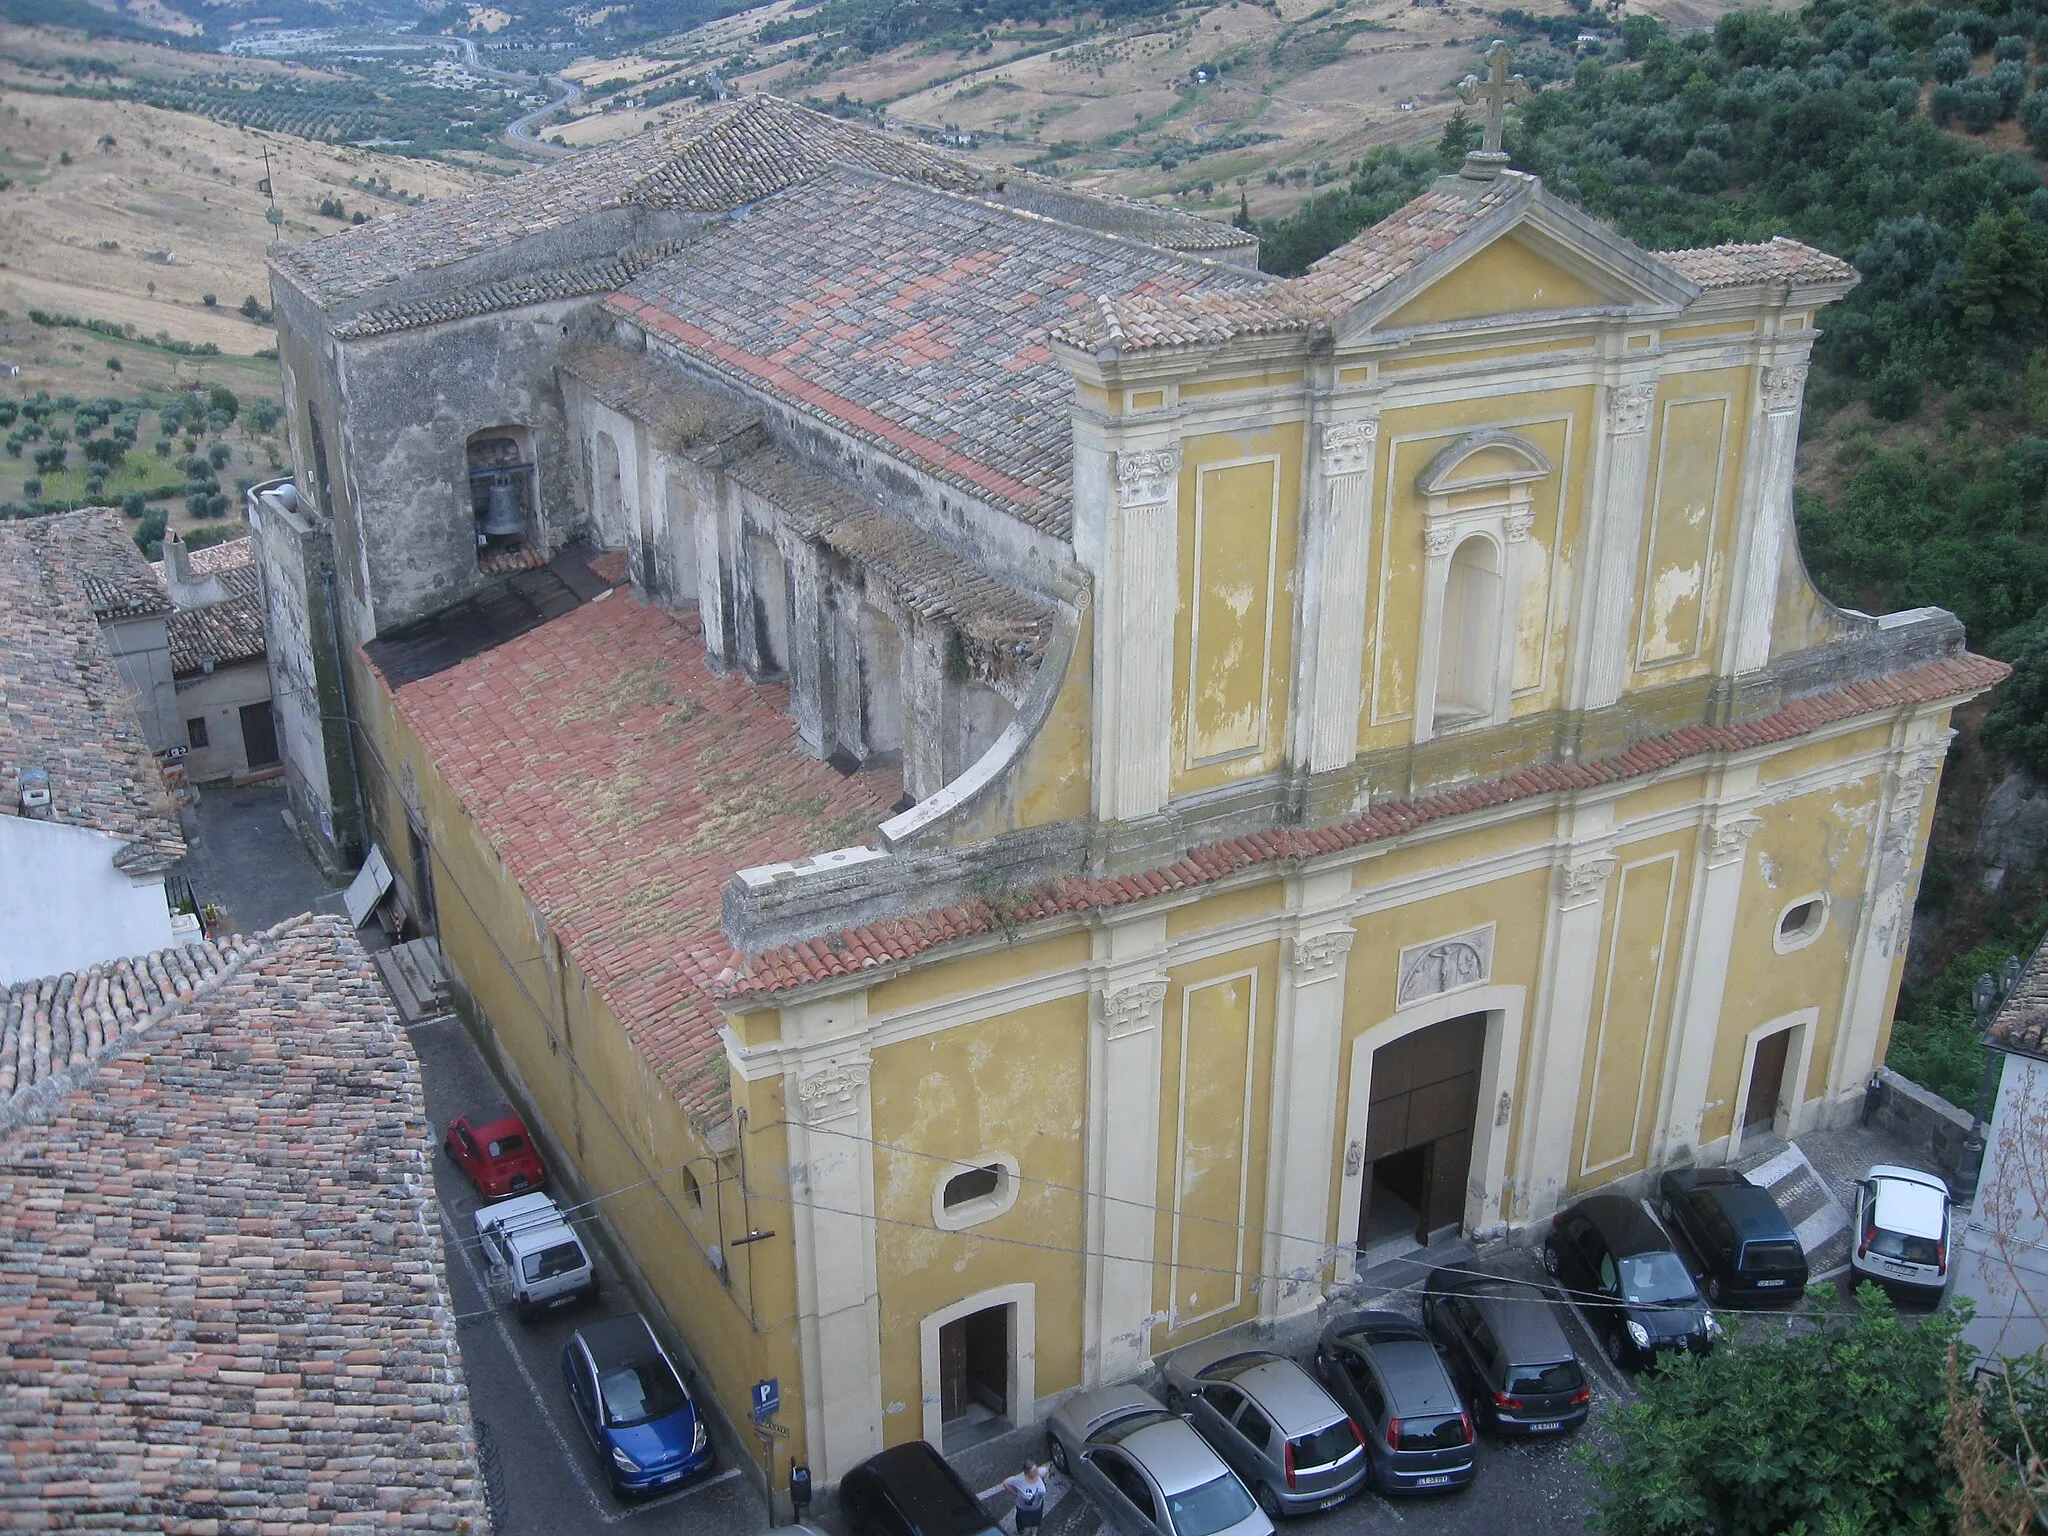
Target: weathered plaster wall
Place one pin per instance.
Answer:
(217, 698)
(65, 907)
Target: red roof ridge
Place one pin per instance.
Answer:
(786, 967)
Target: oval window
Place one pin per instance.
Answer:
(1800, 923)
(973, 1192)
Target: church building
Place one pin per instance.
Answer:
(1013, 791)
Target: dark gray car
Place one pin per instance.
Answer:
(1146, 1469)
(1387, 1374)
(1295, 1448)
(1507, 1353)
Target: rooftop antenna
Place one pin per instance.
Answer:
(273, 213)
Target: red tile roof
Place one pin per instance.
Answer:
(623, 783)
(883, 943)
(221, 1303)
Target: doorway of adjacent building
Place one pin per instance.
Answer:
(1766, 1082)
(259, 736)
(974, 1377)
(1418, 1133)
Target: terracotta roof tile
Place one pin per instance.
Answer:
(796, 965)
(228, 631)
(1380, 256)
(95, 551)
(913, 318)
(2021, 1023)
(64, 707)
(623, 783)
(221, 1303)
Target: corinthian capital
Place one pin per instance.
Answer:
(1145, 477)
(1583, 880)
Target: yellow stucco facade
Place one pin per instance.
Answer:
(1464, 815)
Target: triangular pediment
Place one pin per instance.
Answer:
(1530, 256)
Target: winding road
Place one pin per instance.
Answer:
(519, 132)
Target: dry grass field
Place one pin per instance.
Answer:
(99, 188)
(1310, 84)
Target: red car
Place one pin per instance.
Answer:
(494, 1149)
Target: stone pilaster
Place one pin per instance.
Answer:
(1333, 594)
(1307, 1068)
(1139, 589)
(1774, 447)
(832, 1211)
(808, 703)
(1126, 1016)
(1564, 1011)
(924, 708)
(1887, 906)
(1703, 982)
(1614, 536)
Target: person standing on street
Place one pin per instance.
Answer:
(1029, 1486)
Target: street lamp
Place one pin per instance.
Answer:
(1985, 997)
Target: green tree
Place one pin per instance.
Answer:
(2001, 282)
(221, 401)
(149, 534)
(1833, 1432)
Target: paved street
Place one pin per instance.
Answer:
(244, 859)
(544, 1478)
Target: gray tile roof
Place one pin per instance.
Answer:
(64, 708)
(229, 631)
(997, 625)
(684, 414)
(1114, 215)
(1777, 261)
(96, 552)
(913, 318)
(718, 157)
(221, 1303)
(569, 281)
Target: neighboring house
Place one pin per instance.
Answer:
(221, 1293)
(1093, 794)
(217, 661)
(129, 602)
(87, 827)
(2003, 1265)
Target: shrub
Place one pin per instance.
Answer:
(1701, 170)
(1854, 1408)
(50, 459)
(1951, 58)
(1895, 393)
(133, 504)
(219, 454)
(149, 535)
(32, 487)
(2011, 48)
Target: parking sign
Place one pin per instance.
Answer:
(767, 1399)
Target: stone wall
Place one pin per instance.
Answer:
(1921, 1120)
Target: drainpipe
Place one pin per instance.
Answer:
(348, 724)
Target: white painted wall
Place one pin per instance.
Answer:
(63, 905)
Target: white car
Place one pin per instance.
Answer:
(1902, 1229)
(535, 1256)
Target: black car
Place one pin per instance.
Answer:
(1384, 1371)
(1638, 1294)
(1745, 1246)
(910, 1490)
(1507, 1353)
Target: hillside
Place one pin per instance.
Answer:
(1196, 102)
(112, 210)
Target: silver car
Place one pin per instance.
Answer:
(1147, 1470)
(1282, 1433)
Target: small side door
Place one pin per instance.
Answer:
(1126, 1495)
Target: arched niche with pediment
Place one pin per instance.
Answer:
(1479, 498)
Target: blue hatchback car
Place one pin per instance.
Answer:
(634, 1405)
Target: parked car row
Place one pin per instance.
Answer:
(627, 1393)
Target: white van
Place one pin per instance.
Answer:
(537, 1261)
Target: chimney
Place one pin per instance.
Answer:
(177, 562)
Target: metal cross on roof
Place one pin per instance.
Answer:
(1496, 90)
